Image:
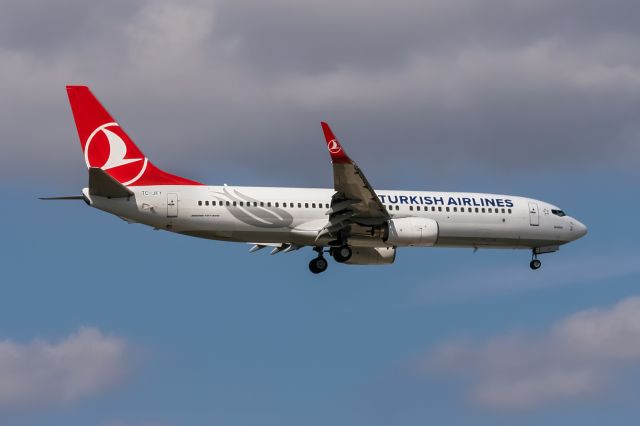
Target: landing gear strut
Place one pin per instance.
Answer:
(535, 263)
(319, 264)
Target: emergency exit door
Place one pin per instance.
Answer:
(534, 217)
(172, 205)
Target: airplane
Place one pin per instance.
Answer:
(353, 223)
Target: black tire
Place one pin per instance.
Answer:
(535, 264)
(318, 265)
(342, 254)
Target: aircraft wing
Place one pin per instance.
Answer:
(354, 201)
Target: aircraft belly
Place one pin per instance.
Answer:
(498, 235)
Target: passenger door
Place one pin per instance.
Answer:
(172, 204)
(534, 218)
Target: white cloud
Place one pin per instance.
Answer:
(576, 358)
(84, 364)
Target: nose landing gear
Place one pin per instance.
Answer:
(535, 263)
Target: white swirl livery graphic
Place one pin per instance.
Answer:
(258, 216)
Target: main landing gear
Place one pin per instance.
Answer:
(535, 263)
(319, 264)
(340, 254)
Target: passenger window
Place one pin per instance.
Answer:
(502, 210)
(477, 210)
(269, 204)
(299, 205)
(241, 203)
(277, 205)
(483, 210)
(199, 203)
(235, 203)
(213, 203)
(313, 205)
(447, 208)
(261, 203)
(455, 209)
(206, 203)
(228, 203)
(461, 209)
(433, 208)
(490, 210)
(291, 205)
(306, 205)
(410, 208)
(255, 204)
(327, 205)
(509, 211)
(439, 208)
(418, 208)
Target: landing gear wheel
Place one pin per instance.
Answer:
(341, 254)
(317, 265)
(535, 264)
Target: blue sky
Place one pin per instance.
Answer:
(216, 335)
(110, 324)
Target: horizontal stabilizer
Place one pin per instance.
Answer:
(70, 197)
(103, 185)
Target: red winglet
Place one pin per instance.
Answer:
(106, 145)
(338, 156)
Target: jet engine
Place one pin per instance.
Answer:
(411, 231)
(372, 256)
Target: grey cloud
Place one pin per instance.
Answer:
(83, 364)
(55, 27)
(578, 357)
(495, 84)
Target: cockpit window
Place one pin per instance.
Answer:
(558, 213)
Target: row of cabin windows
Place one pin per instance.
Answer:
(326, 205)
(263, 204)
(462, 209)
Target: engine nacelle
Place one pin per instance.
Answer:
(372, 256)
(412, 231)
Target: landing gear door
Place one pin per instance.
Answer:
(172, 205)
(534, 217)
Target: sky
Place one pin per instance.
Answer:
(110, 324)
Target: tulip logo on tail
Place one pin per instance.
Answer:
(107, 148)
(334, 146)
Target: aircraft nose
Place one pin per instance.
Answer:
(579, 228)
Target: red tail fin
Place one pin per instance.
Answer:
(107, 146)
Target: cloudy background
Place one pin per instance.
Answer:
(110, 324)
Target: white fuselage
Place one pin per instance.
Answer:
(296, 215)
